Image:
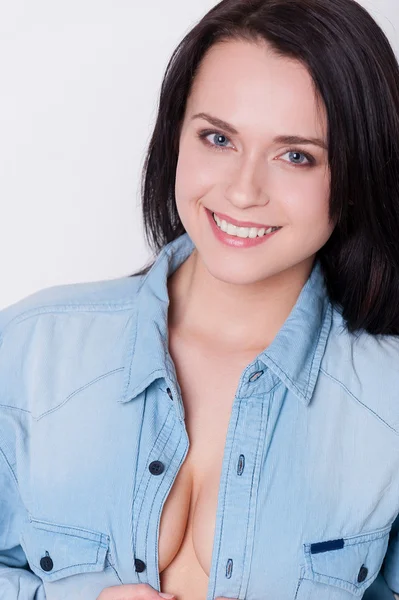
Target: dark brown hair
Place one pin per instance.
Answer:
(355, 72)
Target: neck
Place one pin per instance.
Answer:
(235, 318)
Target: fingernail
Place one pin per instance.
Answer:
(166, 595)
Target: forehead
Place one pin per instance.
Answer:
(248, 85)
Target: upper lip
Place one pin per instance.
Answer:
(241, 223)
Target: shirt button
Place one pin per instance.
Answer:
(156, 467)
(362, 573)
(139, 565)
(255, 376)
(46, 563)
(169, 393)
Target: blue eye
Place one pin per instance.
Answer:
(219, 138)
(308, 158)
(220, 142)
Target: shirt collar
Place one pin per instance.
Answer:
(294, 355)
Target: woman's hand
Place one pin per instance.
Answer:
(134, 591)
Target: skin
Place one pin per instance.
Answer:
(137, 591)
(238, 299)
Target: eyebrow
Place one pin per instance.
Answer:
(280, 139)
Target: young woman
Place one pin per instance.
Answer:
(225, 422)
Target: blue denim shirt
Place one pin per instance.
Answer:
(92, 437)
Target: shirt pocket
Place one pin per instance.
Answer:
(342, 568)
(70, 561)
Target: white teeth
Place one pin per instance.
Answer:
(243, 232)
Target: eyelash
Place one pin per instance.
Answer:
(204, 134)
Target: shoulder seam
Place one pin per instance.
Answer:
(357, 400)
(64, 308)
(9, 468)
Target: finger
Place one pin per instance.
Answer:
(133, 591)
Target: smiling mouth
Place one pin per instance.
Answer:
(246, 224)
(241, 231)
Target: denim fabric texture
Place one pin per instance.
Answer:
(92, 437)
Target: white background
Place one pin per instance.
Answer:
(80, 81)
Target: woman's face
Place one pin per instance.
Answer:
(249, 175)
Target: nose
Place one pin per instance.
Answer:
(246, 185)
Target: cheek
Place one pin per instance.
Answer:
(197, 171)
(307, 202)
(307, 214)
(315, 225)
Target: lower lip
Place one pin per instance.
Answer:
(234, 241)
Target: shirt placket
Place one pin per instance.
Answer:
(162, 466)
(242, 461)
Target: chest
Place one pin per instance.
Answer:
(196, 512)
(263, 479)
(208, 381)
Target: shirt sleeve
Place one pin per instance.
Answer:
(379, 590)
(17, 581)
(390, 569)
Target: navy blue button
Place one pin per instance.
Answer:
(46, 563)
(156, 467)
(362, 574)
(169, 393)
(139, 565)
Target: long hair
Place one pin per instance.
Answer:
(355, 72)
